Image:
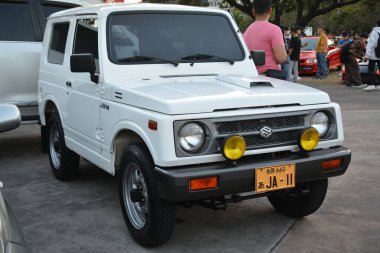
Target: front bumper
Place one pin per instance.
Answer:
(307, 68)
(173, 183)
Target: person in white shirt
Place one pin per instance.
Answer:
(372, 58)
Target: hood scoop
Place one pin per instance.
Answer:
(245, 82)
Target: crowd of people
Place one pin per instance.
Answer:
(282, 48)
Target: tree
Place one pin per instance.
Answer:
(350, 18)
(306, 10)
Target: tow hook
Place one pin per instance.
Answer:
(215, 204)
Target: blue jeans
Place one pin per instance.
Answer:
(321, 65)
(285, 67)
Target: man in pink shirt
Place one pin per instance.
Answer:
(262, 35)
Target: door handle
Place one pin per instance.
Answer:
(104, 106)
(68, 84)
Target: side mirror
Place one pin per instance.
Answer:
(83, 63)
(10, 117)
(258, 57)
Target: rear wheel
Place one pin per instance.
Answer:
(63, 162)
(301, 201)
(149, 218)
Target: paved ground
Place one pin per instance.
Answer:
(84, 215)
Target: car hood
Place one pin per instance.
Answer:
(208, 94)
(308, 55)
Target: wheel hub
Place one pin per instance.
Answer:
(137, 195)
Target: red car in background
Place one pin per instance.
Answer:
(308, 61)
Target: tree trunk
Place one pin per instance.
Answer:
(277, 13)
(315, 9)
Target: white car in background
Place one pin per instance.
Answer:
(22, 25)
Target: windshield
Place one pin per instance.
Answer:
(136, 38)
(312, 43)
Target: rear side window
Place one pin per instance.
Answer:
(15, 22)
(58, 43)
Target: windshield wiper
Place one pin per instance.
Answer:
(206, 56)
(140, 58)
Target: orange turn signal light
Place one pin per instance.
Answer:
(152, 125)
(331, 165)
(203, 183)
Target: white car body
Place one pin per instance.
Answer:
(19, 64)
(127, 97)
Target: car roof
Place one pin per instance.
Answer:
(107, 8)
(73, 2)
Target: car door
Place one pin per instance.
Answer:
(333, 55)
(82, 114)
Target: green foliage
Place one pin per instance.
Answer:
(242, 19)
(356, 19)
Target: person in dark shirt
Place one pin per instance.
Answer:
(355, 50)
(294, 54)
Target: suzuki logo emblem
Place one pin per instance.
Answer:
(265, 131)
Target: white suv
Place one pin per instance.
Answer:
(22, 24)
(169, 97)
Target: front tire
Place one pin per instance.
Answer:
(149, 218)
(301, 201)
(63, 162)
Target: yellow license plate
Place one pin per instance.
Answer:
(275, 177)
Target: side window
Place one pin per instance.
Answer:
(58, 42)
(86, 39)
(15, 22)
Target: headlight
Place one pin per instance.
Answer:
(321, 122)
(311, 60)
(191, 137)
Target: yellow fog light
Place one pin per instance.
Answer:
(234, 147)
(309, 139)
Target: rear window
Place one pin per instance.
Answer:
(15, 22)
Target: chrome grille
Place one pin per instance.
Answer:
(255, 124)
(288, 137)
(285, 130)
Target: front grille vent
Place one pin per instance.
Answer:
(285, 130)
(256, 124)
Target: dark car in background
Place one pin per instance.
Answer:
(308, 58)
